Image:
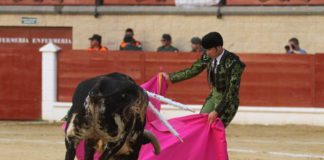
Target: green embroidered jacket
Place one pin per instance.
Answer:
(226, 81)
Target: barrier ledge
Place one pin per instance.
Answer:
(261, 109)
(262, 115)
(246, 115)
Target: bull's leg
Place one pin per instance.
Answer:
(110, 149)
(106, 154)
(70, 149)
(70, 154)
(71, 140)
(89, 149)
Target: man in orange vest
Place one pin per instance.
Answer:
(95, 44)
(135, 43)
(128, 39)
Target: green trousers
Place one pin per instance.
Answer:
(212, 102)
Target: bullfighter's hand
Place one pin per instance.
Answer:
(212, 116)
(166, 76)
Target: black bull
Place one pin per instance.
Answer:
(109, 113)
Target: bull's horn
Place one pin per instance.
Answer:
(155, 142)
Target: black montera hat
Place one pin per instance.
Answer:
(96, 37)
(212, 39)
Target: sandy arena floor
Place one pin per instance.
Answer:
(43, 141)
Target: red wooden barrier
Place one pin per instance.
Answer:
(268, 80)
(277, 80)
(319, 80)
(273, 2)
(20, 94)
(47, 2)
(76, 65)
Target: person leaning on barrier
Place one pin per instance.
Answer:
(128, 39)
(135, 43)
(293, 47)
(95, 44)
(166, 44)
(196, 45)
(224, 71)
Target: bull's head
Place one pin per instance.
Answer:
(117, 99)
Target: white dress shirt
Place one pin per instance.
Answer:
(218, 59)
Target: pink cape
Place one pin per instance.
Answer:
(201, 141)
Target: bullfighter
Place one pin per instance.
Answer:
(224, 71)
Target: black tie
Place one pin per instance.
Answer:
(211, 77)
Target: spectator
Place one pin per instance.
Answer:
(95, 44)
(135, 43)
(128, 40)
(166, 44)
(293, 47)
(196, 45)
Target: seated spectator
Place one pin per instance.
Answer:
(135, 43)
(95, 44)
(128, 40)
(196, 45)
(166, 44)
(293, 47)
